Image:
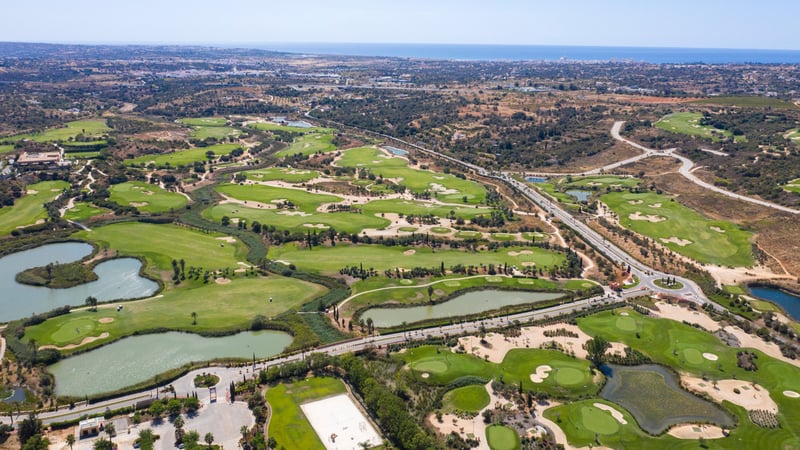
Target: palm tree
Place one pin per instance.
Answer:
(110, 430)
(146, 439)
(194, 318)
(70, 440)
(244, 431)
(209, 438)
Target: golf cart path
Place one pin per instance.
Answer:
(686, 170)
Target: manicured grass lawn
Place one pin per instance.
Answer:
(89, 128)
(604, 181)
(218, 306)
(440, 230)
(82, 155)
(275, 127)
(408, 292)
(6, 149)
(763, 305)
(665, 285)
(793, 186)
(284, 220)
(82, 211)
(675, 345)
(160, 244)
(503, 237)
(689, 123)
(748, 101)
(443, 366)
(288, 425)
(468, 234)
(204, 121)
(582, 422)
(303, 200)
(308, 144)
(146, 197)
(183, 157)
(445, 187)
(328, 260)
(282, 174)
(500, 437)
(793, 135)
(203, 133)
(733, 289)
(420, 207)
(30, 207)
(408, 229)
(468, 398)
(730, 247)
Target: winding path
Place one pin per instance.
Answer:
(686, 170)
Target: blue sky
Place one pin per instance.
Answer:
(769, 24)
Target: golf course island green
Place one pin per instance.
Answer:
(469, 399)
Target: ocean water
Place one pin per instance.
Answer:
(542, 53)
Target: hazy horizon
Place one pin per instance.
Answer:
(713, 24)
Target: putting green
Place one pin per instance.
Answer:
(626, 323)
(468, 398)
(430, 366)
(568, 376)
(693, 356)
(83, 326)
(599, 421)
(500, 437)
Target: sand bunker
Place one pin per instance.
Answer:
(139, 204)
(530, 337)
(86, 340)
(655, 205)
(791, 394)
(222, 280)
(676, 240)
(32, 192)
(425, 375)
(316, 225)
(293, 213)
(228, 239)
(635, 202)
(710, 356)
(528, 263)
(436, 187)
(750, 396)
(542, 372)
(624, 313)
(106, 320)
(409, 252)
(614, 413)
(718, 229)
(523, 252)
(650, 217)
(696, 432)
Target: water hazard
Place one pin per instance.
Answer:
(139, 358)
(118, 279)
(790, 303)
(463, 305)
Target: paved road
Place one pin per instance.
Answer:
(687, 167)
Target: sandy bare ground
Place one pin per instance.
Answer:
(86, 340)
(614, 413)
(106, 320)
(228, 239)
(650, 217)
(676, 240)
(791, 394)
(530, 337)
(770, 348)
(462, 427)
(751, 396)
(679, 314)
(222, 280)
(696, 432)
(710, 356)
(736, 275)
